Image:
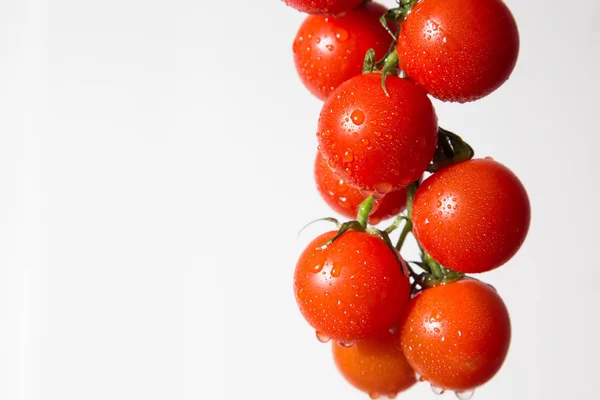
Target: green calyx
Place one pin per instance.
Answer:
(451, 149)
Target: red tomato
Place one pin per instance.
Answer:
(473, 216)
(456, 336)
(345, 199)
(375, 365)
(351, 289)
(328, 50)
(459, 50)
(375, 142)
(321, 7)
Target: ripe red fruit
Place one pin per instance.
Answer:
(376, 365)
(375, 142)
(459, 50)
(330, 50)
(473, 216)
(456, 336)
(345, 199)
(322, 7)
(351, 289)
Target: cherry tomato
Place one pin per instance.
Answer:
(456, 336)
(473, 216)
(345, 199)
(459, 50)
(351, 289)
(322, 7)
(375, 365)
(375, 142)
(328, 50)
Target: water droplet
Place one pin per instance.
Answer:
(348, 157)
(336, 270)
(317, 268)
(348, 171)
(366, 192)
(301, 294)
(358, 117)
(331, 163)
(374, 396)
(378, 196)
(365, 141)
(383, 187)
(437, 390)
(466, 395)
(346, 345)
(308, 49)
(321, 337)
(341, 34)
(330, 47)
(489, 158)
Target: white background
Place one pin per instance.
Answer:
(156, 166)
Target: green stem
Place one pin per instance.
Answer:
(364, 209)
(436, 269)
(410, 197)
(405, 231)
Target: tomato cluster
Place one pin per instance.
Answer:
(382, 155)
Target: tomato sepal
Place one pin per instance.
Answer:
(451, 149)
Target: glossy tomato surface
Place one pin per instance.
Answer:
(376, 365)
(351, 289)
(456, 336)
(473, 216)
(323, 7)
(345, 199)
(375, 142)
(459, 50)
(330, 50)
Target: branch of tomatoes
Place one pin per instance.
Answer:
(451, 149)
(470, 216)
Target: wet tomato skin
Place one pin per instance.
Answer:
(456, 336)
(459, 50)
(473, 216)
(330, 50)
(351, 289)
(375, 142)
(345, 199)
(376, 365)
(323, 7)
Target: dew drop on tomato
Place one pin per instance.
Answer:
(466, 395)
(336, 271)
(348, 156)
(358, 117)
(301, 294)
(437, 390)
(321, 337)
(366, 192)
(383, 187)
(341, 34)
